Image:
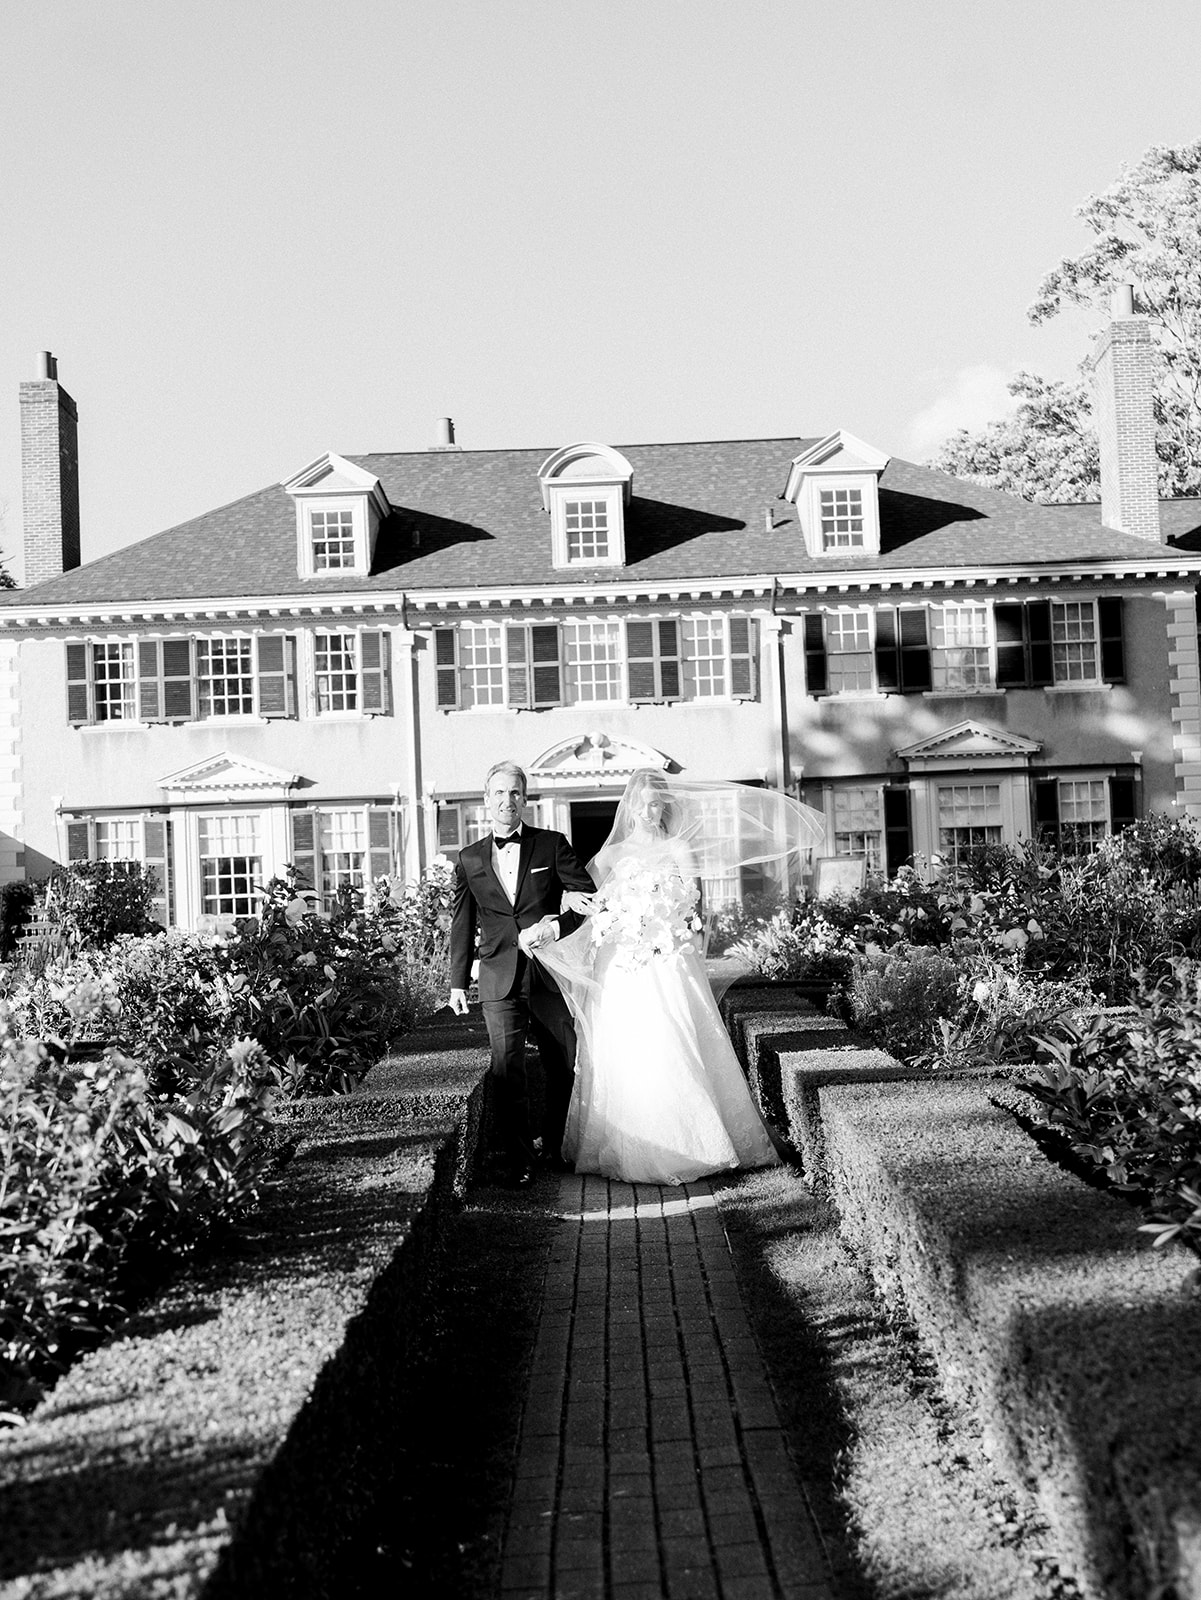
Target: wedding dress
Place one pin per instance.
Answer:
(659, 1094)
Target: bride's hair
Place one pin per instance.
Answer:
(643, 782)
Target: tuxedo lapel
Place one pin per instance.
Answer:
(526, 847)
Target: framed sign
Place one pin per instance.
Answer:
(838, 875)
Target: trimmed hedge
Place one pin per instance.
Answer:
(231, 1436)
(802, 1064)
(1077, 1344)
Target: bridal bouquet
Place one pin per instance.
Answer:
(647, 914)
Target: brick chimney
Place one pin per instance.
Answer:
(49, 475)
(1123, 370)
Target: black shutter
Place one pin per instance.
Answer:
(816, 676)
(742, 658)
(1113, 645)
(78, 696)
(276, 663)
(915, 650)
(669, 658)
(155, 837)
(446, 667)
(1046, 810)
(888, 654)
(1009, 621)
(381, 851)
(640, 660)
(898, 831)
(1123, 804)
(548, 674)
(79, 840)
(304, 848)
(517, 661)
(178, 682)
(1038, 630)
(375, 676)
(150, 687)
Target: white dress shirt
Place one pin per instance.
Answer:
(505, 864)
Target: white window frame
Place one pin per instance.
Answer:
(127, 679)
(611, 629)
(262, 841)
(356, 505)
(868, 486)
(201, 646)
(571, 491)
(351, 673)
(850, 804)
(941, 655)
(834, 614)
(1061, 611)
(982, 781)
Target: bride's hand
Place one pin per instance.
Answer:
(578, 901)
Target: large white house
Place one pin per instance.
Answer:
(322, 672)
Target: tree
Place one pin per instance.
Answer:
(1147, 228)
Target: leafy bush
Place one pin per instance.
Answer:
(16, 903)
(799, 942)
(1125, 1093)
(896, 996)
(94, 902)
(1001, 1014)
(97, 1172)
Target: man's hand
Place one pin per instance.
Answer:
(578, 901)
(539, 933)
(458, 1002)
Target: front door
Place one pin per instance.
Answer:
(591, 821)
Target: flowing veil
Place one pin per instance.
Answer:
(746, 847)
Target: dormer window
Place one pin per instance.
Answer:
(586, 488)
(835, 488)
(339, 508)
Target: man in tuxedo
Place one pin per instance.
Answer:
(510, 886)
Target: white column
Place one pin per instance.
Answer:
(1184, 684)
(773, 696)
(419, 846)
(12, 800)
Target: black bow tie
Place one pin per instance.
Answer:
(501, 840)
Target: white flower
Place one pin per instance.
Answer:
(982, 992)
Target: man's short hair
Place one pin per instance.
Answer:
(510, 770)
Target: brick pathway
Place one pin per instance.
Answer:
(652, 1463)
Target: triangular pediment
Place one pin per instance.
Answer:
(226, 776)
(840, 452)
(968, 742)
(332, 474)
(592, 758)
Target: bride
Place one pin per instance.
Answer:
(659, 1094)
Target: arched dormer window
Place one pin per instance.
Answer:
(835, 488)
(586, 488)
(339, 508)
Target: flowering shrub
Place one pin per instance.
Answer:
(92, 903)
(647, 913)
(1000, 1014)
(1125, 1093)
(896, 997)
(322, 994)
(799, 942)
(98, 1171)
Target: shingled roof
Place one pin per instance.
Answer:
(474, 518)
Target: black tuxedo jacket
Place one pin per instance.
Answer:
(547, 865)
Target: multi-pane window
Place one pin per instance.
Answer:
(962, 658)
(225, 677)
(714, 844)
(841, 514)
(849, 647)
(704, 657)
(859, 824)
(586, 525)
(343, 839)
(593, 652)
(1083, 815)
(461, 823)
(1074, 641)
(969, 815)
(113, 682)
(118, 839)
(333, 540)
(481, 665)
(335, 672)
(231, 865)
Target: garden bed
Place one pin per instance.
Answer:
(230, 1436)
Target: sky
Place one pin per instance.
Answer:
(254, 233)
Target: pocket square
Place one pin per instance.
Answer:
(539, 869)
